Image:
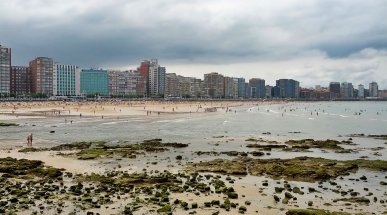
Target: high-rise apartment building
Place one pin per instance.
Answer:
(190, 87)
(156, 77)
(346, 90)
(373, 89)
(287, 88)
(334, 90)
(268, 91)
(185, 87)
(94, 82)
(360, 91)
(247, 90)
(172, 85)
(126, 83)
(65, 80)
(153, 77)
(213, 85)
(161, 72)
(5, 70)
(21, 80)
(140, 85)
(241, 88)
(258, 89)
(144, 71)
(42, 70)
(230, 88)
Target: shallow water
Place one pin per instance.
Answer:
(334, 121)
(221, 131)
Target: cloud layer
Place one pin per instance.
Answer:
(313, 41)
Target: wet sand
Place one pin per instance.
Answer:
(11, 110)
(249, 187)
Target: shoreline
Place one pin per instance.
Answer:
(49, 109)
(258, 190)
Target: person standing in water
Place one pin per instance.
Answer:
(29, 140)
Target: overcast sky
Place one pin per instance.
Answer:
(313, 41)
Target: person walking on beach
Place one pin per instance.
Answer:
(29, 140)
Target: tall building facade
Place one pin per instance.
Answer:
(241, 88)
(144, 71)
(230, 88)
(94, 82)
(190, 87)
(373, 89)
(156, 78)
(346, 90)
(172, 85)
(247, 90)
(5, 70)
(126, 83)
(334, 90)
(65, 80)
(258, 89)
(214, 85)
(161, 72)
(140, 85)
(268, 93)
(287, 88)
(21, 80)
(42, 70)
(360, 91)
(117, 83)
(153, 77)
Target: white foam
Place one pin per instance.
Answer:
(109, 123)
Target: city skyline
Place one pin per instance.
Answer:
(315, 42)
(139, 66)
(44, 78)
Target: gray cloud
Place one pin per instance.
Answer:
(119, 33)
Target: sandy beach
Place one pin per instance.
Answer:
(9, 110)
(88, 141)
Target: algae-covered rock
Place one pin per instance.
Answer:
(100, 149)
(278, 189)
(266, 146)
(23, 167)
(297, 190)
(310, 143)
(89, 154)
(379, 165)
(235, 167)
(307, 169)
(288, 195)
(7, 124)
(232, 195)
(75, 146)
(194, 205)
(242, 209)
(360, 200)
(31, 149)
(313, 212)
(257, 153)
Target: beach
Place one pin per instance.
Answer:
(185, 137)
(110, 108)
